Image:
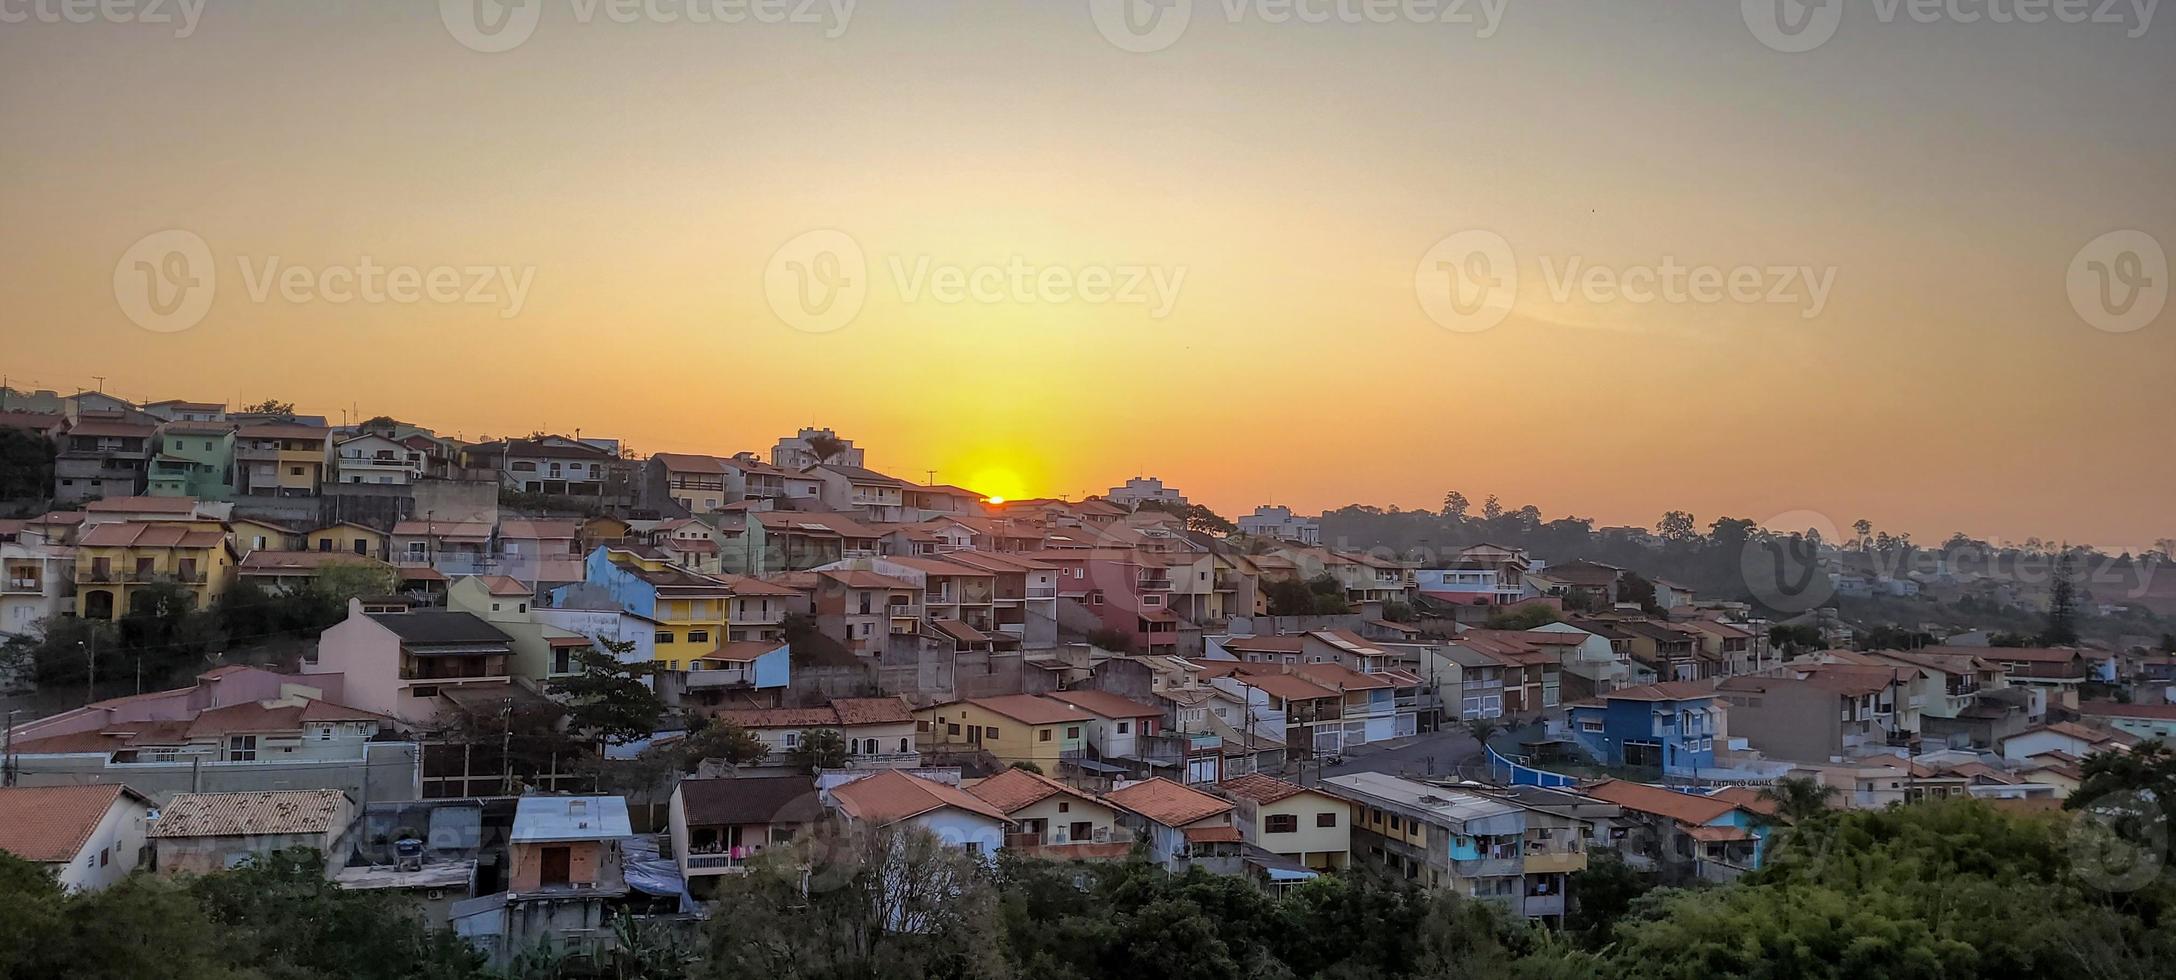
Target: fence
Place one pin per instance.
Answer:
(1516, 774)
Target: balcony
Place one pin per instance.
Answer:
(728, 677)
(31, 586)
(1490, 867)
(1153, 583)
(1042, 591)
(1561, 856)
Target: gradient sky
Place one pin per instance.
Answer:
(647, 172)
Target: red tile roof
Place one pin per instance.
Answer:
(1166, 802)
(1013, 789)
(1106, 704)
(1261, 789)
(1030, 709)
(891, 796)
(1682, 807)
(50, 824)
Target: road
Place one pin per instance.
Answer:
(1443, 753)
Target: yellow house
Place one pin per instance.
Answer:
(281, 459)
(1284, 818)
(1013, 728)
(348, 537)
(114, 561)
(688, 610)
(249, 534)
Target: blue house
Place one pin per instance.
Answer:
(1670, 726)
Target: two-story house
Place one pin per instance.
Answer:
(103, 456)
(376, 459)
(115, 561)
(1183, 826)
(1480, 846)
(281, 459)
(1673, 727)
(1308, 826)
(1014, 728)
(400, 664)
(719, 825)
(193, 459)
(1052, 820)
(1711, 838)
(855, 490)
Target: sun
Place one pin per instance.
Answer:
(995, 500)
(998, 484)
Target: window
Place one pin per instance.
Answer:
(903, 746)
(1125, 727)
(662, 637)
(1072, 731)
(951, 729)
(1327, 818)
(1590, 724)
(990, 732)
(105, 856)
(324, 733)
(562, 661)
(1281, 823)
(241, 748)
(1042, 734)
(792, 739)
(698, 636)
(423, 692)
(294, 471)
(1065, 806)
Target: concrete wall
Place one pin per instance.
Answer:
(391, 773)
(203, 855)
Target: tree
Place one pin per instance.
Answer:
(58, 652)
(1492, 508)
(719, 739)
(819, 748)
(1799, 799)
(270, 406)
(1483, 729)
(1677, 526)
(824, 446)
(1455, 506)
(891, 904)
(26, 465)
(1794, 639)
(608, 699)
(2062, 628)
(1523, 617)
(1606, 891)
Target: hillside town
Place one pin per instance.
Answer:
(542, 685)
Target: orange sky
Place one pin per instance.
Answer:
(643, 175)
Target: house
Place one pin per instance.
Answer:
(402, 664)
(862, 609)
(88, 837)
(235, 728)
(2141, 720)
(879, 732)
(939, 500)
(1183, 826)
(1706, 838)
(1013, 728)
(540, 552)
(1480, 846)
(689, 609)
(1117, 727)
(103, 456)
(1671, 651)
(541, 649)
(1823, 715)
(798, 451)
(1052, 820)
(719, 825)
(179, 410)
(192, 459)
(564, 867)
(552, 466)
(115, 561)
(1672, 726)
(293, 571)
(35, 579)
(448, 547)
(697, 484)
(1306, 717)
(249, 534)
(1278, 523)
(955, 817)
(350, 538)
(2074, 739)
(378, 460)
(1308, 826)
(853, 489)
(198, 833)
(281, 459)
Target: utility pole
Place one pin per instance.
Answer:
(9, 770)
(506, 752)
(90, 670)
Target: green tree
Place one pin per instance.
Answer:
(1524, 617)
(819, 748)
(2062, 627)
(608, 699)
(892, 904)
(26, 465)
(269, 406)
(1455, 506)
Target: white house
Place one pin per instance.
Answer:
(373, 458)
(88, 836)
(954, 816)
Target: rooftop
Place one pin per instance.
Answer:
(50, 824)
(302, 811)
(544, 819)
(1166, 802)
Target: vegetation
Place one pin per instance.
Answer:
(819, 748)
(1523, 618)
(1198, 517)
(1108, 638)
(269, 406)
(26, 465)
(611, 699)
(1322, 595)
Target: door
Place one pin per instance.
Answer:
(556, 866)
